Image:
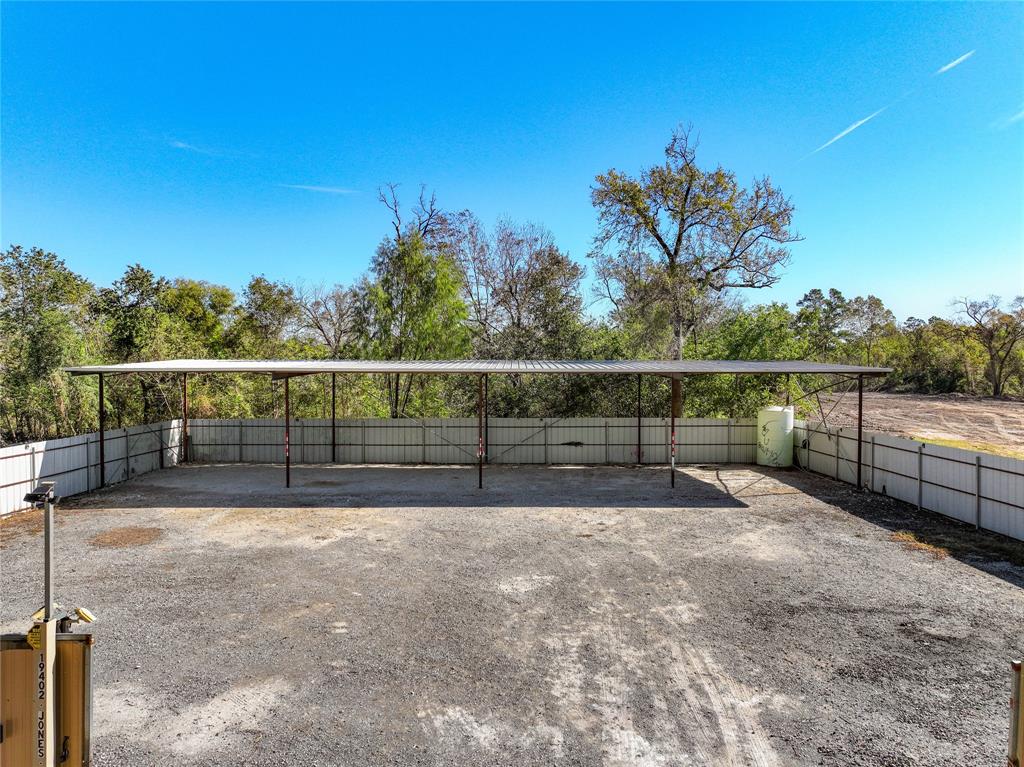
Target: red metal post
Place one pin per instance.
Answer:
(184, 418)
(103, 428)
(675, 412)
(639, 442)
(334, 412)
(287, 435)
(860, 429)
(480, 432)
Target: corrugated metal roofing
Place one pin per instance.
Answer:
(283, 368)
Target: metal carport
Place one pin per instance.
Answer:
(675, 370)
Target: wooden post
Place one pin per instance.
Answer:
(103, 428)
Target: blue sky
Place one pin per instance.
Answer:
(179, 135)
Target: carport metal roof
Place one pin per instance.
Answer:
(287, 368)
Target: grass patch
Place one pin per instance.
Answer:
(983, 447)
(911, 542)
(962, 543)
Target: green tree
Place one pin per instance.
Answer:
(411, 309)
(819, 322)
(997, 331)
(43, 326)
(679, 236)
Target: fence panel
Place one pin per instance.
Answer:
(965, 485)
(973, 487)
(73, 462)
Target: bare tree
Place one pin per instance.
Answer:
(996, 330)
(329, 315)
(679, 234)
(428, 220)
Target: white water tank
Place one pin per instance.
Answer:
(775, 436)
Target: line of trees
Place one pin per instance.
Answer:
(673, 245)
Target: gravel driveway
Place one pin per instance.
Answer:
(563, 616)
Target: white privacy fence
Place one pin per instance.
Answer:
(977, 488)
(74, 462)
(454, 440)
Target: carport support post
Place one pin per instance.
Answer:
(103, 428)
(487, 425)
(480, 432)
(675, 411)
(860, 428)
(184, 418)
(639, 444)
(334, 413)
(287, 439)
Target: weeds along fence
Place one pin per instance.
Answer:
(981, 489)
(976, 488)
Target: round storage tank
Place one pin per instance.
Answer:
(775, 436)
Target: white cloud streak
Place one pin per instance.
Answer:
(1015, 118)
(954, 63)
(320, 189)
(191, 147)
(849, 130)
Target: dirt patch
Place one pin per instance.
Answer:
(20, 524)
(973, 423)
(122, 537)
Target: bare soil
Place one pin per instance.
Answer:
(559, 616)
(119, 537)
(980, 423)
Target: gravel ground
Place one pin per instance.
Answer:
(564, 616)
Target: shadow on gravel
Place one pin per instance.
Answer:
(262, 486)
(926, 532)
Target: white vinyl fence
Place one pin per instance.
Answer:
(977, 488)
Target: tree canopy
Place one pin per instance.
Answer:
(673, 245)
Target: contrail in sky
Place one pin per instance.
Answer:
(321, 189)
(954, 63)
(848, 131)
